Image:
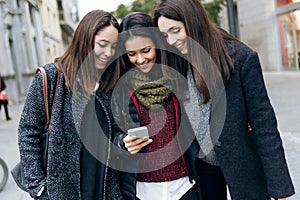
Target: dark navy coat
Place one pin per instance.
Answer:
(253, 163)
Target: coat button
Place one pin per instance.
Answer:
(218, 143)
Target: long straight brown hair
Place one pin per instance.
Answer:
(208, 35)
(78, 60)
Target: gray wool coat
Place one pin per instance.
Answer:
(63, 167)
(253, 163)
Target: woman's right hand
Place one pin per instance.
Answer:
(134, 145)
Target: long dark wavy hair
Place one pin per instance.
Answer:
(167, 56)
(208, 35)
(79, 55)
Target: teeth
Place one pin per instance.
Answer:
(104, 60)
(179, 45)
(144, 65)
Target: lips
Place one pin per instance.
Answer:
(178, 46)
(102, 60)
(144, 66)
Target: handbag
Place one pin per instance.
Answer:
(3, 95)
(17, 172)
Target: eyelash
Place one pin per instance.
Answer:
(102, 45)
(144, 51)
(105, 45)
(176, 30)
(131, 54)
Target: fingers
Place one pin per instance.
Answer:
(134, 145)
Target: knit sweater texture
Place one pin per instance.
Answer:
(162, 129)
(199, 116)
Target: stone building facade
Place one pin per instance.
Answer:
(51, 29)
(32, 33)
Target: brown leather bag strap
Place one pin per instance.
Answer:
(45, 91)
(57, 82)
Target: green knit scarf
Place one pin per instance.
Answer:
(149, 92)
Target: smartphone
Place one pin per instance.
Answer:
(139, 132)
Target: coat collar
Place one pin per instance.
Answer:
(231, 47)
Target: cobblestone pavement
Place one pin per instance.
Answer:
(283, 88)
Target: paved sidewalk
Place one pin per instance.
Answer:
(284, 91)
(9, 151)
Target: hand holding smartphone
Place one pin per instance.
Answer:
(134, 145)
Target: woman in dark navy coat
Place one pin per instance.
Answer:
(229, 108)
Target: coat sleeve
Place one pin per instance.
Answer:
(30, 128)
(265, 133)
(119, 124)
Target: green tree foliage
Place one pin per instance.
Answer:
(121, 11)
(145, 6)
(213, 8)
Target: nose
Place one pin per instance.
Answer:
(171, 39)
(140, 59)
(108, 52)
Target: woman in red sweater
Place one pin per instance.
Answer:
(163, 170)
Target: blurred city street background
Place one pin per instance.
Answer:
(283, 88)
(34, 32)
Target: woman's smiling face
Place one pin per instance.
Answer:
(175, 33)
(105, 45)
(141, 52)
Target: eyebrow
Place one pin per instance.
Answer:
(140, 49)
(103, 40)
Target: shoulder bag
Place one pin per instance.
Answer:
(3, 95)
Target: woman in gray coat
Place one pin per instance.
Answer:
(226, 94)
(72, 170)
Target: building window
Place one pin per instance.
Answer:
(18, 3)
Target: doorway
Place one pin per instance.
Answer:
(289, 32)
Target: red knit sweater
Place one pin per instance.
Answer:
(162, 129)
